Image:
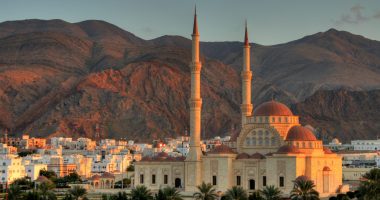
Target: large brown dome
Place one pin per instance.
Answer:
(300, 133)
(272, 108)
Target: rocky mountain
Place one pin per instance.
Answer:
(60, 78)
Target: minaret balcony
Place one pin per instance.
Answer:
(246, 75)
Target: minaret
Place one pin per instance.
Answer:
(246, 75)
(193, 160)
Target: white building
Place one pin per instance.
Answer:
(33, 170)
(372, 145)
(11, 168)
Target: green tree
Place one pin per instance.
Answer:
(126, 183)
(131, 168)
(271, 193)
(342, 197)
(304, 190)
(73, 178)
(350, 194)
(168, 193)
(48, 174)
(24, 183)
(77, 192)
(14, 192)
(256, 195)
(236, 193)
(205, 192)
(369, 188)
(141, 193)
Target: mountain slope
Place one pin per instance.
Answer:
(59, 78)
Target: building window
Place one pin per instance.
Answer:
(264, 181)
(213, 180)
(282, 181)
(238, 180)
(141, 178)
(165, 179)
(153, 179)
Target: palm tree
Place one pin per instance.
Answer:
(271, 193)
(236, 193)
(205, 192)
(68, 197)
(171, 193)
(32, 195)
(369, 188)
(45, 191)
(141, 193)
(256, 195)
(118, 196)
(304, 190)
(77, 192)
(14, 192)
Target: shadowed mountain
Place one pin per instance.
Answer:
(60, 78)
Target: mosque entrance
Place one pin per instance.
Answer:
(252, 184)
(177, 183)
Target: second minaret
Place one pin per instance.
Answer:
(193, 159)
(246, 75)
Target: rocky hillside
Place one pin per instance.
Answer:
(59, 78)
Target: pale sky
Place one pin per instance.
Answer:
(269, 21)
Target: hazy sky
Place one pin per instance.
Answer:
(269, 21)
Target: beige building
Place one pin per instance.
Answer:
(272, 148)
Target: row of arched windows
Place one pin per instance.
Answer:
(280, 119)
(259, 141)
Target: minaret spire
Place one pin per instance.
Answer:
(193, 160)
(246, 75)
(246, 41)
(195, 26)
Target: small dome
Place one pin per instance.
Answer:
(42, 179)
(95, 177)
(303, 177)
(162, 155)
(272, 108)
(222, 149)
(257, 156)
(327, 150)
(288, 149)
(242, 156)
(326, 169)
(335, 141)
(300, 133)
(107, 175)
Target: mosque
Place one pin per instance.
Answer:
(272, 148)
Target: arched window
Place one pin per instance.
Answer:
(253, 141)
(273, 141)
(266, 141)
(260, 133)
(248, 141)
(260, 141)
